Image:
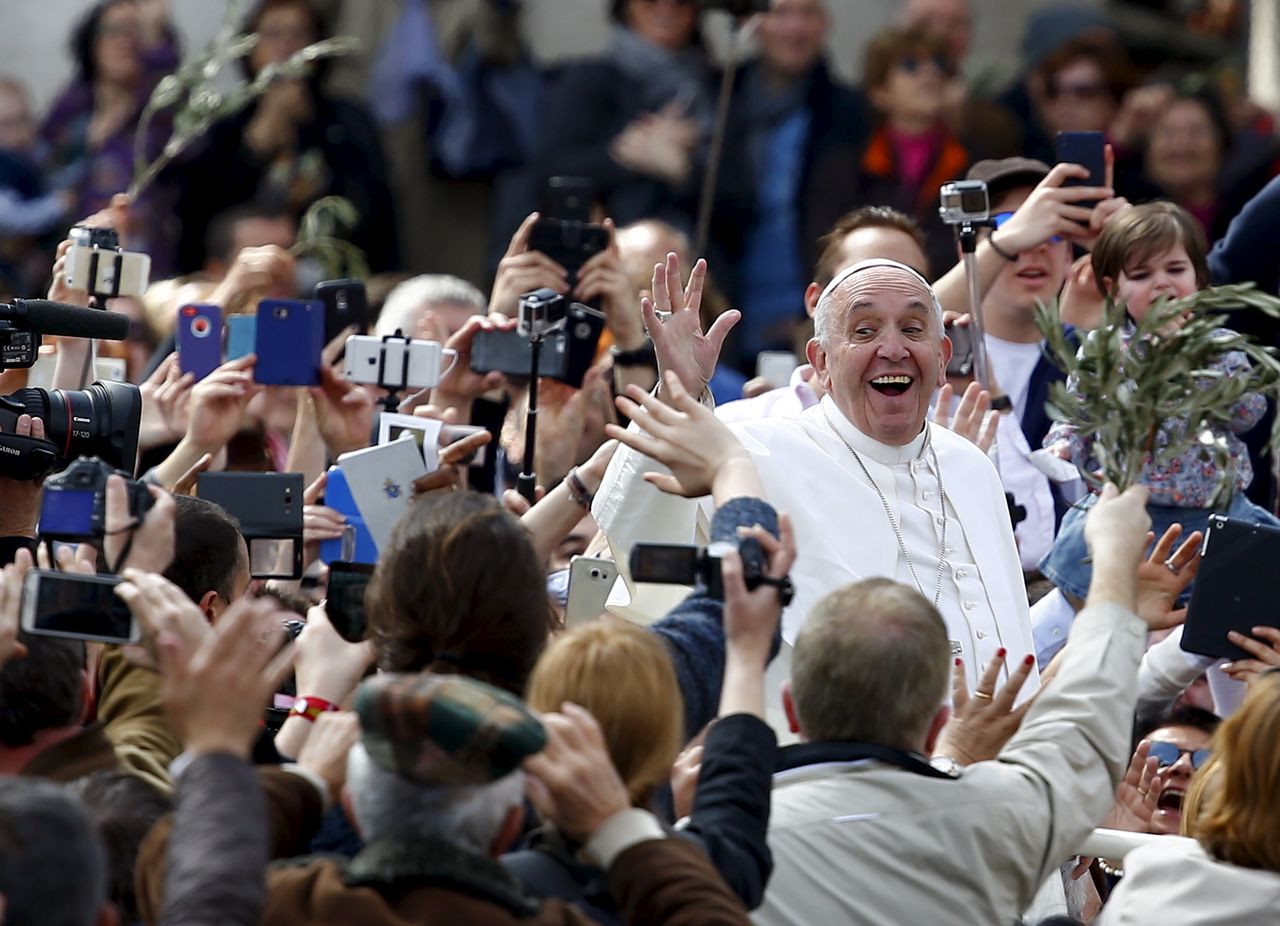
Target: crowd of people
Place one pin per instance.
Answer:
(914, 672)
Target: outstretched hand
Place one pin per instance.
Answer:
(972, 419)
(681, 433)
(983, 722)
(1137, 797)
(678, 340)
(1164, 575)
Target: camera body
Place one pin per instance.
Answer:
(964, 202)
(687, 564)
(98, 265)
(74, 505)
(541, 312)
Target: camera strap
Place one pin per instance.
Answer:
(131, 529)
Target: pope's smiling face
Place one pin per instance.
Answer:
(883, 353)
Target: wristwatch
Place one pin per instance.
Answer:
(947, 765)
(642, 356)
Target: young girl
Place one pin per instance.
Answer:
(1145, 253)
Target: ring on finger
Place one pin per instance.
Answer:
(983, 695)
(1169, 564)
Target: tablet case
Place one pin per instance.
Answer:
(267, 505)
(1236, 587)
(289, 341)
(337, 495)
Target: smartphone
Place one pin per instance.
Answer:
(1087, 149)
(344, 601)
(568, 199)
(776, 367)
(961, 362)
(664, 563)
(590, 581)
(199, 339)
(570, 244)
(289, 341)
(77, 607)
(269, 508)
(345, 303)
(242, 335)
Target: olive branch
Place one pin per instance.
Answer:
(320, 238)
(1124, 391)
(192, 91)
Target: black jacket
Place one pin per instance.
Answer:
(730, 821)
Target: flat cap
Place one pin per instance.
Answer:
(1007, 173)
(445, 729)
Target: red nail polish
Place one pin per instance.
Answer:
(957, 661)
(1000, 653)
(1030, 659)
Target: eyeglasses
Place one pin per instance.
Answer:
(913, 63)
(1084, 93)
(1001, 217)
(1168, 754)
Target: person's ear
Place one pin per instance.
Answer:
(789, 708)
(811, 294)
(935, 728)
(508, 832)
(947, 350)
(818, 360)
(209, 606)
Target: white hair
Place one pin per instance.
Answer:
(826, 302)
(387, 805)
(404, 304)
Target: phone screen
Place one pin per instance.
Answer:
(78, 606)
(344, 601)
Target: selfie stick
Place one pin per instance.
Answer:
(739, 32)
(391, 401)
(527, 480)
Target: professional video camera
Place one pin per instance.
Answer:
(100, 421)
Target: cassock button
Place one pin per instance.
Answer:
(982, 634)
(941, 520)
(926, 495)
(962, 573)
(970, 605)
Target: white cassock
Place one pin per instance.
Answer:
(843, 533)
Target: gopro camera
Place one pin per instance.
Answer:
(686, 564)
(542, 312)
(964, 202)
(74, 505)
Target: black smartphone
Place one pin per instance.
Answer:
(568, 199)
(344, 601)
(566, 354)
(570, 244)
(269, 509)
(961, 362)
(664, 563)
(1088, 149)
(79, 607)
(345, 303)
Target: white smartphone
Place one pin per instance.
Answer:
(397, 363)
(590, 581)
(108, 271)
(381, 482)
(79, 607)
(776, 367)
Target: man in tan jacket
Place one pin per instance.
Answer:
(865, 831)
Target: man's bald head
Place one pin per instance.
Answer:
(871, 665)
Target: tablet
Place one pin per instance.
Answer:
(1236, 588)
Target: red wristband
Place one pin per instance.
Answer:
(310, 707)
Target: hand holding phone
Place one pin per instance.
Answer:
(1088, 149)
(76, 607)
(199, 339)
(290, 338)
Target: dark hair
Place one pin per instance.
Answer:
(460, 590)
(125, 807)
(319, 27)
(866, 217)
(85, 36)
(891, 45)
(1142, 232)
(206, 549)
(1111, 59)
(42, 690)
(53, 870)
(618, 13)
(1196, 718)
(220, 236)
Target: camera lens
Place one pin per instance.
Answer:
(100, 421)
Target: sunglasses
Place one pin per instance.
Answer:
(1167, 754)
(913, 63)
(1001, 217)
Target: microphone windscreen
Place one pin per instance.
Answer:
(73, 321)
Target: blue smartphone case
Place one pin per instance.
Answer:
(290, 337)
(337, 495)
(242, 335)
(199, 339)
